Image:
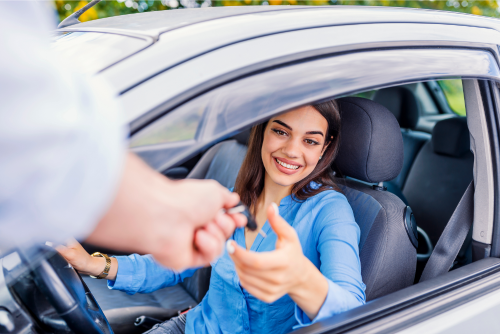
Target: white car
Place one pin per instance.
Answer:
(193, 81)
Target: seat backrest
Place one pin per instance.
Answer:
(371, 151)
(222, 163)
(403, 104)
(440, 175)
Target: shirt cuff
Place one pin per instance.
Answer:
(332, 305)
(125, 276)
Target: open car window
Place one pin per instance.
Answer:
(237, 105)
(454, 94)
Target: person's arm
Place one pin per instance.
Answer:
(132, 274)
(142, 274)
(337, 236)
(65, 171)
(179, 222)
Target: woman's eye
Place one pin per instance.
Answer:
(279, 132)
(311, 142)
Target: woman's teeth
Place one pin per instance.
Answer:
(286, 165)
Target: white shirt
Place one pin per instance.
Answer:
(61, 145)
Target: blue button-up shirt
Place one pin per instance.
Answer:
(329, 237)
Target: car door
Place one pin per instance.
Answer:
(220, 105)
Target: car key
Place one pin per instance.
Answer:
(243, 209)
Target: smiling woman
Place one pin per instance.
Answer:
(292, 144)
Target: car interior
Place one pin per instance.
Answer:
(404, 163)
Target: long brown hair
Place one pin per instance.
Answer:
(250, 180)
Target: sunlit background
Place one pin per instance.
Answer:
(120, 7)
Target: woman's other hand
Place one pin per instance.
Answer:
(270, 275)
(79, 259)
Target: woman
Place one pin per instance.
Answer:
(305, 271)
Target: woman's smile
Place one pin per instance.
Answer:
(286, 166)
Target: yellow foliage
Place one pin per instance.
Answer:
(476, 11)
(90, 14)
(231, 3)
(248, 1)
(59, 4)
(275, 2)
(292, 2)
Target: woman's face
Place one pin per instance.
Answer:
(293, 144)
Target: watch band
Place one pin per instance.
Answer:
(105, 272)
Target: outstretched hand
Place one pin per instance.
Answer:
(270, 275)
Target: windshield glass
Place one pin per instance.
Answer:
(17, 263)
(92, 52)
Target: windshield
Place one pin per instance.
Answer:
(17, 263)
(93, 52)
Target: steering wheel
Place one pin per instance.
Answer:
(69, 296)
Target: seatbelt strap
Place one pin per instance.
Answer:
(452, 238)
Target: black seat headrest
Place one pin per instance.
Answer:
(451, 137)
(402, 103)
(371, 145)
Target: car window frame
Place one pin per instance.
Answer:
(435, 288)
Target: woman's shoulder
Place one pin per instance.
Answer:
(331, 201)
(328, 196)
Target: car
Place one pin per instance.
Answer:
(419, 155)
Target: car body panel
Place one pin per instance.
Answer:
(417, 303)
(235, 67)
(183, 43)
(240, 59)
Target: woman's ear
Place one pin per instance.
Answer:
(325, 147)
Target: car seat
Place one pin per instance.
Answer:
(371, 152)
(440, 175)
(404, 105)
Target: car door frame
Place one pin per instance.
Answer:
(482, 273)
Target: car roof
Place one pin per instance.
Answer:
(178, 37)
(153, 24)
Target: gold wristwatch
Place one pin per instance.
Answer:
(105, 272)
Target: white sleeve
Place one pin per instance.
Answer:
(62, 145)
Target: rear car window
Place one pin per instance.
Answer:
(454, 93)
(92, 52)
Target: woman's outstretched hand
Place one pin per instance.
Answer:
(79, 259)
(270, 275)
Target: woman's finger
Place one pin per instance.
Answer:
(260, 261)
(260, 289)
(271, 276)
(283, 230)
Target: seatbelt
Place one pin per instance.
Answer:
(452, 238)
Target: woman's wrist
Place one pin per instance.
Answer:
(311, 289)
(96, 266)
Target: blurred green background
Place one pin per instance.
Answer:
(119, 7)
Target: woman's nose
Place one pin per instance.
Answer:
(292, 148)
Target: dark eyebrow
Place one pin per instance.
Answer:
(315, 133)
(283, 124)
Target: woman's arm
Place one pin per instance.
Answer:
(133, 273)
(337, 237)
(270, 275)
